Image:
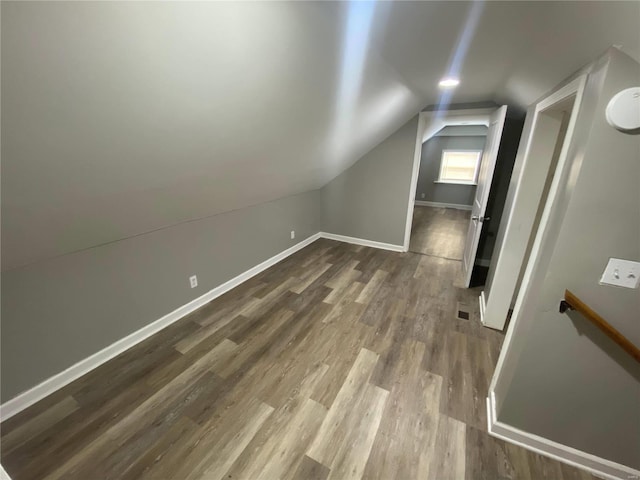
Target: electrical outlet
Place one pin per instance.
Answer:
(422, 195)
(193, 281)
(293, 234)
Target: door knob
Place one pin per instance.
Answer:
(474, 217)
(480, 219)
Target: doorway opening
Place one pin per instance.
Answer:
(528, 200)
(438, 231)
(446, 185)
(462, 171)
(558, 115)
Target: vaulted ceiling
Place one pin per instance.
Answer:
(121, 118)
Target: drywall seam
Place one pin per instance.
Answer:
(59, 380)
(50, 385)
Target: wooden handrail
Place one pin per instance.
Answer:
(572, 302)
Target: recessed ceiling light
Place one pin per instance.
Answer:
(449, 82)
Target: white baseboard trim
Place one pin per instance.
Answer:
(34, 394)
(422, 203)
(364, 242)
(483, 305)
(571, 456)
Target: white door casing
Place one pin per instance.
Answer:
(510, 256)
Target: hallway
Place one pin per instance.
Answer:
(439, 232)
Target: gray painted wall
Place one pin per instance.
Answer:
(569, 382)
(67, 308)
(430, 169)
(369, 200)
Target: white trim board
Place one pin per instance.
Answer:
(362, 241)
(3, 474)
(482, 299)
(598, 466)
(483, 305)
(457, 206)
(56, 382)
(413, 186)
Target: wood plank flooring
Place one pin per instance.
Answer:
(340, 362)
(440, 232)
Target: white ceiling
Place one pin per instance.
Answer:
(121, 118)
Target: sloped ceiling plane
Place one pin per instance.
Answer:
(141, 115)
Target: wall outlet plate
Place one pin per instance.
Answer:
(193, 281)
(293, 234)
(621, 273)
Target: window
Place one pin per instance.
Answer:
(460, 166)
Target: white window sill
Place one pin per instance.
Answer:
(455, 183)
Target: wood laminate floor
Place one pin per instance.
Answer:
(440, 232)
(339, 362)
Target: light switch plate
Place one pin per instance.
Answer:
(621, 273)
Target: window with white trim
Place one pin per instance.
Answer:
(460, 166)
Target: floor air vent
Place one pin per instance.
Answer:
(462, 311)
